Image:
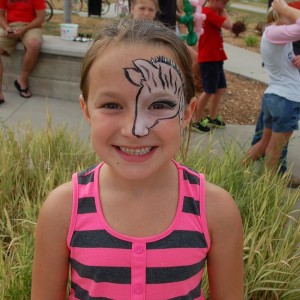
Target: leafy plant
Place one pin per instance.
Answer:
(34, 162)
(251, 40)
(259, 28)
(238, 27)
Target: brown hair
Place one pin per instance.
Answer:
(138, 32)
(272, 16)
(135, 2)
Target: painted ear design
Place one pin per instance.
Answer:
(134, 76)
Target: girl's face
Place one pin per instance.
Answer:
(144, 9)
(136, 109)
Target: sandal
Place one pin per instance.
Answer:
(23, 92)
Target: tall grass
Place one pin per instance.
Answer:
(34, 162)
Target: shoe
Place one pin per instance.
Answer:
(2, 101)
(201, 126)
(23, 92)
(217, 122)
(293, 182)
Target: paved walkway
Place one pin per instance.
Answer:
(17, 111)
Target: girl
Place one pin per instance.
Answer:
(281, 100)
(138, 225)
(144, 9)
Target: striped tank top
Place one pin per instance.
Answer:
(108, 265)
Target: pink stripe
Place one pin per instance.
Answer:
(88, 222)
(189, 222)
(175, 257)
(107, 257)
(102, 289)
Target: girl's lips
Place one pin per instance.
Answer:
(135, 151)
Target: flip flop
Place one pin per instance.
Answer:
(22, 92)
(2, 101)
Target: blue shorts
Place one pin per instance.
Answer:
(280, 114)
(212, 76)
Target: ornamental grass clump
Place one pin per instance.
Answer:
(33, 163)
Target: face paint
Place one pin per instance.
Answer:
(160, 96)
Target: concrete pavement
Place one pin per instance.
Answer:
(17, 111)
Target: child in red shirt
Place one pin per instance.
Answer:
(211, 56)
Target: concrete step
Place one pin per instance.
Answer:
(57, 73)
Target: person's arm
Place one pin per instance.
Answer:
(51, 255)
(282, 34)
(227, 24)
(285, 10)
(3, 22)
(225, 257)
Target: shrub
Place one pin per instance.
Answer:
(260, 27)
(33, 163)
(251, 40)
(238, 27)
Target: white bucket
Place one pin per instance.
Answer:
(68, 31)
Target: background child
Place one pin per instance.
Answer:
(211, 56)
(138, 225)
(281, 102)
(144, 9)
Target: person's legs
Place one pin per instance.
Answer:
(257, 137)
(1, 75)
(29, 60)
(201, 104)
(278, 142)
(32, 41)
(214, 118)
(258, 150)
(215, 102)
(7, 46)
(258, 129)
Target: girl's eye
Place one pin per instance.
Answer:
(163, 104)
(111, 106)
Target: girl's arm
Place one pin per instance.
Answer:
(282, 34)
(51, 255)
(284, 10)
(225, 257)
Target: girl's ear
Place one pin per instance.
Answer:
(85, 111)
(189, 111)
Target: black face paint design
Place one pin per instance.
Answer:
(160, 95)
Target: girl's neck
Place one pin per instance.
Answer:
(160, 180)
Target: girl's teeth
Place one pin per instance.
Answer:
(140, 151)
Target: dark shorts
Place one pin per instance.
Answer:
(280, 114)
(212, 76)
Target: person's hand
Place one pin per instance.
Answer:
(17, 33)
(279, 5)
(9, 31)
(296, 61)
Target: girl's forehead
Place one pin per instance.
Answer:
(123, 54)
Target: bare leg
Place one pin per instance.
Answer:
(201, 104)
(214, 103)
(259, 149)
(277, 143)
(1, 73)
(29, 61)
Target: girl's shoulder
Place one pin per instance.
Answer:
(56, 210)
(221, 209)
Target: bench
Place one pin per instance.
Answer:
(57, 72)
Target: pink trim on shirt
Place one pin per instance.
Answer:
(283, 34)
